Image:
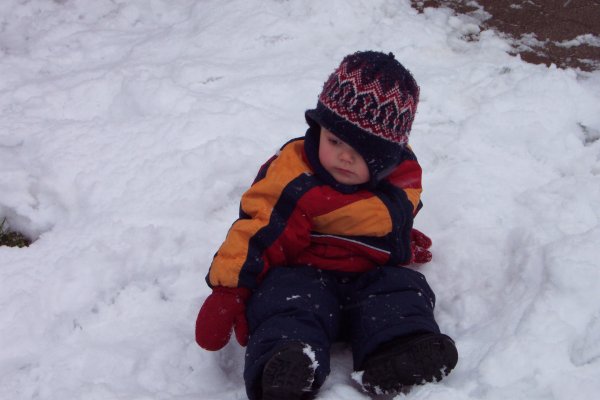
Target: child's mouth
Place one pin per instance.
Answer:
(343, 171)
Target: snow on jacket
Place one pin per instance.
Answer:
(292, 216)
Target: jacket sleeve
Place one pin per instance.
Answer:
(272, 227)
(401, 192)
(407, 177)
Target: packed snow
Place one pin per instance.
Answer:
(130, 128)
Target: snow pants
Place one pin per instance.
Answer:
(320, 307)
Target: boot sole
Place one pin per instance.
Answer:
(288, 375)
(427, 358)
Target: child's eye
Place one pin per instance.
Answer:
(334, 141)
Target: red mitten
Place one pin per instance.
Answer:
(419, 243)
(222, 311)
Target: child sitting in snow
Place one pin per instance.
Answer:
(318, 254)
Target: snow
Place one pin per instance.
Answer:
(314, 364)
(129, 130)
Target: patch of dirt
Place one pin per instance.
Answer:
(561, 32)
(11, 238)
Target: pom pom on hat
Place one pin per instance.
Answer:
(369, 102)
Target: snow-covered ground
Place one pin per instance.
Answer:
(130, 128)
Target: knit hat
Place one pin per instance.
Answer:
(369, 102)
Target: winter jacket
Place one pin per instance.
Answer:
(293, 214)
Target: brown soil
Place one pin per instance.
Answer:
(551, 23)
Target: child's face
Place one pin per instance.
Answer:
(341, 160)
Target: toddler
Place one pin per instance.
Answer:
(320, 251)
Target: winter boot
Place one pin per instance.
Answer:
(407, 361)
(289, 374)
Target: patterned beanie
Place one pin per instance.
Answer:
(369, 102)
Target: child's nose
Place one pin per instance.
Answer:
(347, 156)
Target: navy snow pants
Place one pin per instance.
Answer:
(320, 307)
